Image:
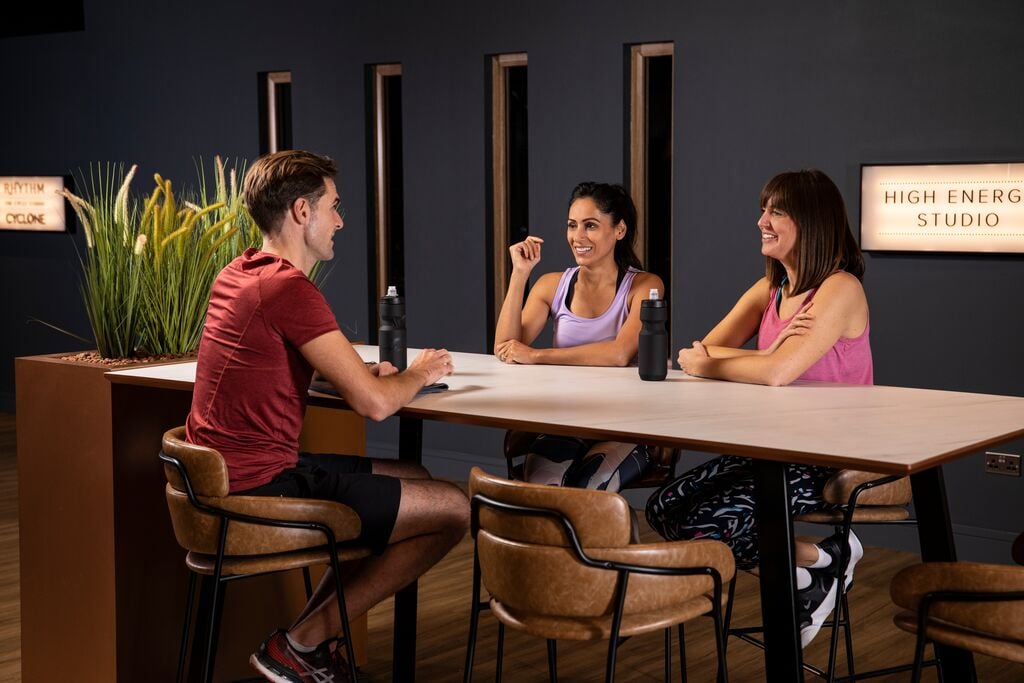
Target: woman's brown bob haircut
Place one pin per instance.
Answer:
(824, 243)
(276, 180)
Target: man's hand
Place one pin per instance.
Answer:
(433, 363)
(382, 369)
(373, 392)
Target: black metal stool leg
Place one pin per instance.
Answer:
(728, 609)
(668, 655)
(307, 582)
(682, 653)
(213, 636)
(553, 660)
(183, 651)
(720, 635)
(474, 619)
(501, 652)
(915, 676)
(218, 603)
(848, 633)
(201, 632)
(839, 616)
(339, 590)
(613, 639)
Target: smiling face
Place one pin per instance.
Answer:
(778, 233)
(323, 223)
(590, 233)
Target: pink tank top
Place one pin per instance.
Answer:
(847, 362)
(572, 330)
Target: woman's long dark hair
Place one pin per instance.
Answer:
(824, 241)
(616, 202)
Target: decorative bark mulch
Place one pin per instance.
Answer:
(94, 358)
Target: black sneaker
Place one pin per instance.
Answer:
(278, 661)
(814, 603)
(831, 545)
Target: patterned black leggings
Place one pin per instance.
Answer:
(716, 500)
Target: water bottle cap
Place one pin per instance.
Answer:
(653, 295)
(392, 291)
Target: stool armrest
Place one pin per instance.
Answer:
(275, 510)
(238, 515)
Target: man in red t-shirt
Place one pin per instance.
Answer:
(267, 329)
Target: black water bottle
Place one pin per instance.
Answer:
(391, 337)
(653, 359)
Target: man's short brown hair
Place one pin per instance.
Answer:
(276, 180)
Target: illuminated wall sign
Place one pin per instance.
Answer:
(32, 203)
(943, 207)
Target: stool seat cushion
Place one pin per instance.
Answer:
(882, 513)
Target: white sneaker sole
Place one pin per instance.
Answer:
(267, 673)
(818, 617)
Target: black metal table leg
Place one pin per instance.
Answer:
(410, 449)
(782, 654)
(935, 532)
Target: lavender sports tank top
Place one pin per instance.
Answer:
(847, 362)
(572, 330)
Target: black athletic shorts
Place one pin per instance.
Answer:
(345, 479)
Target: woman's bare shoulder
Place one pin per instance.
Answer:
(644, 282)
(841, 284)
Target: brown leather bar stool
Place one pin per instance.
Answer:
(861, 498)
(661, 470)
(976, 607)
(234, 537)
(558, 564)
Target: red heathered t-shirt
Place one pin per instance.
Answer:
(251, 381)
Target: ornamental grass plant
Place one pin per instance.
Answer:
(110, 267)
(185, 246)
(149, 263)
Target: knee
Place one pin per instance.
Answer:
(415, 471)
(456, 508)
(399, 469)
(449, 507)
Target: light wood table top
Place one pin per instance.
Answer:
(884, 429)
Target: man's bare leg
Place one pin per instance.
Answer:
(400, 469)
(433, 516)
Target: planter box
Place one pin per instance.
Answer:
(102, 579)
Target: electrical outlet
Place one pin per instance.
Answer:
(1002, 463)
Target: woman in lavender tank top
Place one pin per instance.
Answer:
(810, 316)
(595, 309)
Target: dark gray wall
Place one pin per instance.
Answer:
(759, 89)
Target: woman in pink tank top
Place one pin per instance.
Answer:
(595, 309)
(810, 317)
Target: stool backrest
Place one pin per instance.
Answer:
(207, 471)
(841, 484)
(207, 474)
(527, 562)
(1003, 620)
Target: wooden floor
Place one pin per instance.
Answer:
(444, 612)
